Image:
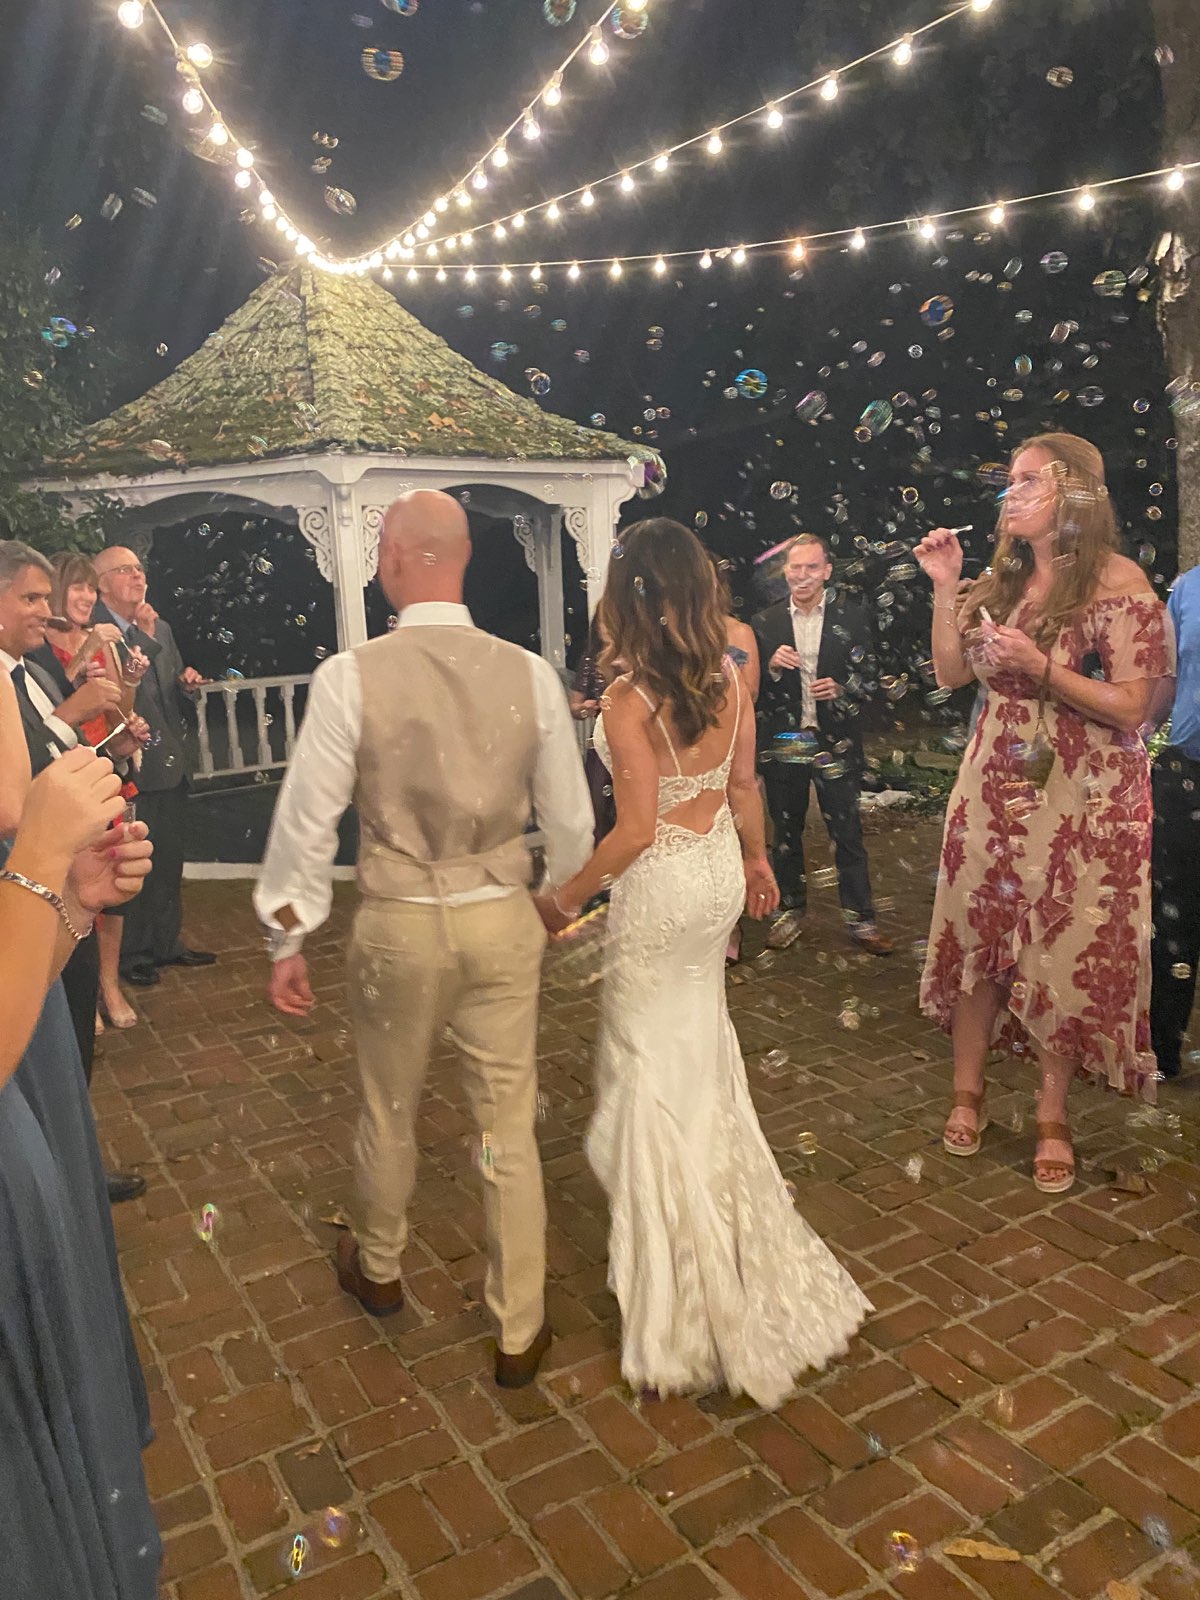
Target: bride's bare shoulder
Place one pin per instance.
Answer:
(623, 698)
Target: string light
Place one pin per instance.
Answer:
(627, 183)
(531, 128)
(980, 5)
(552, 211)
(518, 221)
(706, 260)
(505, 275)
(774, 117)
(440, 274)
(1175, 180)
(927, 230)
(662, 162)
(131, 13)
(499, 231)
(829, 89)
(714, 145)
(858, 240)
(615, 270)
(597, 49)
(412, 275)
(471, 275)
(200, 55)
(573, 270)
(1086, 200)
(552, 94)
(479, 179)
(660, 266)
(997, 215)
(536, 274)
(500, 155)
(587, 199)
(244, 158)
(798, 250)
(192, 102)
(218, 134)
(903, 52)
(242, 179)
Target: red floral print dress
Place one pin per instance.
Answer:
(1046, 892)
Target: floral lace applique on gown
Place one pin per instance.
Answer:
(719, 1279)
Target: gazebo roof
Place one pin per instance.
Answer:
(314, 362)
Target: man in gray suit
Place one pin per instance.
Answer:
(153, 920)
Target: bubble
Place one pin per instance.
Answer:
(774, 1061)
(806, 1143)
(583, 357)
(34, 379)
(208, 1222)
(295, 1555)
(111, 207)
(393, 622)
(1110, 285)
(751, 383)
(1060, 77)
(1054, 262)
(1164, 55)
(540, 383)
(385, 66)
(597, 419)
(402, 8)
(334, 1526)
(938, 309)
(627, 24)
(876, 418)
(1090, 396)
(558, 12)
(1157, 1532)
(781, 489)
(904, 1550)
(1181, 970)
(812, 405)
(849, 1020)
(700, 520)
(913, 1168)
(160, 449)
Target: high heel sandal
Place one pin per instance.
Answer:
(1060, 1132)
(967, 1100)
(118, 1019)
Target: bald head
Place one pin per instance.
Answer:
(121, 579)
(424, 548)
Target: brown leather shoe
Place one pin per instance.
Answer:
(380, 1299)
(869, 938)
(514, 1372)
(785, 929)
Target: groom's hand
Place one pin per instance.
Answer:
(289, 990)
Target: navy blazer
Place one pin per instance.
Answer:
(160, 700)
(846, 654)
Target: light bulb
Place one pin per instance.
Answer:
(131, 13)
(1175, 179)
(597, 49)
(431, 251)
(980, 5)
(996, 215)
(627, 183)
(829, 89)
(662, 162)
(739, 256)
(471, 274)
(409, 240)
(376, 260)
(499, 231)
(798, 250)
(387, 274)
(282, 224)
(660, 266)
(536, 274)
(393, 250)
(1086, 201)
(552, 211)
(242, 179)
(903, 52)
(518, 221)
(552, 94)
(219, 133)
(412, 274)
(466, 241)
(706, 260)
(422, 231)
(441, 203)
(500, 155)
(269, 213)
(573, 270)
(192, 102)
(244, 158)
(452, 242)
(265, 197)
(200, 55)
(927, 230)
(713, 144)
(635, 5)
(587, 199)
(479, 178)
(858, 240)
(462, 198)
(615, 270)
(429, 219)
(774, 117)
(440, 274)
(505, 275)
(531, 128)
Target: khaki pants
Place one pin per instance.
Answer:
(473, 969)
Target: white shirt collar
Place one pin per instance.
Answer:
(817, 611)
(124, 623)
(435, 614)
(9, 662)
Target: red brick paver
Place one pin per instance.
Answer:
(1027, 1379)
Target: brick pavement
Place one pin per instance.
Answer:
(1027, 1379)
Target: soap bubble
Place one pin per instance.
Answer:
(1090, 395)
(938, 309)
(540, 383)
(876, 418)
(208, 1222)
(1060, 77)
(402, 8)
(751, 383)
(111, 208)
(812, 405)
(782, 489)
(904, 1550)
(1181, 970)
(1110, 285)
(627, 24)
(334, 1527)
(385, 66)
(1054, 262)
(558, 12)
(597, 419)
(295, 1555)
(340, 201)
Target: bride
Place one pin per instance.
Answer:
(718, 1279)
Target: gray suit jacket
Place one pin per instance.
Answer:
(160, 700)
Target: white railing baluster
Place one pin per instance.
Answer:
(231, 691)
(206, 755)
(260, 725)
(289, 716)
(236, 759)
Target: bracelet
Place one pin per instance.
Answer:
(49, 896)
(571, 916)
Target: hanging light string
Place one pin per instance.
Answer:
(192, 59)
(1085, 197)
(828, 86)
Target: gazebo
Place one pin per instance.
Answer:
(318, 402)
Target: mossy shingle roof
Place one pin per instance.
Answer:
(316, 362)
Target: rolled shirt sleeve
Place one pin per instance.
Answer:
(561, 804)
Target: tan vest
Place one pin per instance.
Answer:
(445, 763)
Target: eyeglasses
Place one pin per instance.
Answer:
(126, 572)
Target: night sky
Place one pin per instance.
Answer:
(973, 118)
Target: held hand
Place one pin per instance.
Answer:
(114, 869)
(92, 669)
(191, 679)
(92, 697)
(136, 665)
(145, 617)
(71, 803)
(826, 689)
(940, 556)
(785, 659)
(1009, 647)
(104, 633)
(289, 990)
(762, 892)
(554, 919)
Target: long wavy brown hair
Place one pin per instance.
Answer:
(663, 618)
(1085, 536)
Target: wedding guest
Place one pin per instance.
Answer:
(75, 1517)
(450, 741)
(741, 647)
(1040, 935)
(1175, 861)
(589, 684)
(152, 935)
(820, 673)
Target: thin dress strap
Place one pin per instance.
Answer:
(737, 711)
(662, 726)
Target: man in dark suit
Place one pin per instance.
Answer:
(818, 674)
(52, 713)
(151, 937)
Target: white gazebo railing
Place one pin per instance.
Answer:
(248, 724)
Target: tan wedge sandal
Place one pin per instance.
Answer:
(967, 1100)
(1042, 1164)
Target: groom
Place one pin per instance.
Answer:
(447, 740)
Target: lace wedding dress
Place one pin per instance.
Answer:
(719, 1280)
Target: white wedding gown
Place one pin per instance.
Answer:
(719, 1280)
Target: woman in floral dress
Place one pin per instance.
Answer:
(1041, 924)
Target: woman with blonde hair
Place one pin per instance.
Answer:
(1040, 933)
(718, 1279)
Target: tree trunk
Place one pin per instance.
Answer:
(1177, 25)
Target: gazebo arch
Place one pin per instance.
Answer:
(319, 401)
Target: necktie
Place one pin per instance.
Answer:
(18, 678)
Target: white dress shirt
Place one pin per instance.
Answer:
(42, 703)
(320, 782)
(806, 630)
